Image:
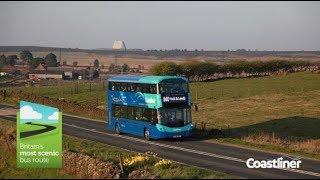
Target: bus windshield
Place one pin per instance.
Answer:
(174, 117)
(173, 86)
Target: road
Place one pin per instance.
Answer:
(36, 132)
(213, 156)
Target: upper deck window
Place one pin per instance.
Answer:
(173, 86)
(133, 87)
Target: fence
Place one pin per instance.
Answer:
(63, 105)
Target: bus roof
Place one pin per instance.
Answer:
(143, 79)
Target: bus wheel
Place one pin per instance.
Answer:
(118, 129)
(146, 134)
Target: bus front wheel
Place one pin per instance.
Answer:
(146, 134)
(118, 129)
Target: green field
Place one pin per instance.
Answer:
(291, 84)
(279, 113)
(94, 94)
(283, 110)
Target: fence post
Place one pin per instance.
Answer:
(273, 136)
(4, 94)
(196, 95)
(202, 125)
(121, 165)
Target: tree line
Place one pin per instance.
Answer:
(50, 60)
(164, 53)
(202, 71)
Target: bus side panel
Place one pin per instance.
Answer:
(154, 132)
(111, 123)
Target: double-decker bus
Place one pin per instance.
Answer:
(153, 107)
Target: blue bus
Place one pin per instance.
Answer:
(153, 107)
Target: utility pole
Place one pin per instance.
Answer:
(60, 56)
(115, 60)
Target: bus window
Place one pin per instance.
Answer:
(129, 85)
(117, 86)
(123, 112)
(139, 113)
(116, 109)
(153, 89)
(154, 118)
(132, 87)
(131, 112)
(145, 88)
(147, 115)
(174, 117)
(139, 87)
(148, 88)
(111, 86)
(173, 86)
(124, 86)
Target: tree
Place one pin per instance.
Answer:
(166, 69)
(35, 62)
(95, 74)
(3, 60)
(50, 60)
(188, 68)
(75, 63)
(12, 59)
(26, 56)
(125, 68)
(96, 63)
(112, 67)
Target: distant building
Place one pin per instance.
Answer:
(44, 74)
(3, 73)
(68, 71)
(40, 67)
(7, 69)
(119, 45)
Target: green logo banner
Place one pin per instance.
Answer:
(39, 136)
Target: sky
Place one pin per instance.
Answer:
(272, 25)
(31, 112)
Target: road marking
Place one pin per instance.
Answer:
(303, 172)
(191, 150)
(11, 116)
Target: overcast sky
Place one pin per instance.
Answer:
(162, 25)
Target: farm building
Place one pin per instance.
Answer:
(68, 71)
(43, 74)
